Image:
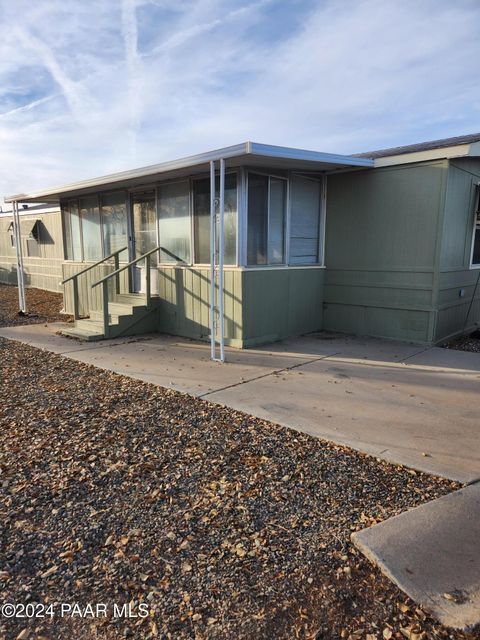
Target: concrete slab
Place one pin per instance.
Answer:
(417, 417)
(433, 554)
(401, 402)
(160, 359)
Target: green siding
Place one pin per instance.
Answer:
(455, 273)
(185, 302)
(283, 302)
(381, 248)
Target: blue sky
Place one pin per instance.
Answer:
(95, 86)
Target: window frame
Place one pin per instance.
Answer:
(322, 213)
(476, 216)
(203, 176)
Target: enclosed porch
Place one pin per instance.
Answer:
(226, 246)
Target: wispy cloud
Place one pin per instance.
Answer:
(92, 87)
(130, 35)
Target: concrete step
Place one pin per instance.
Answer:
(83, 334)
(95, 326)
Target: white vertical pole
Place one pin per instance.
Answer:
(19, 253)
(221, 252)
(212, 260)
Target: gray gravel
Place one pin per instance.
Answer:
(116, 491)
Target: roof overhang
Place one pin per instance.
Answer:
(250, 154)
(471, 150)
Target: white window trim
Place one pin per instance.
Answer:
(476, 211)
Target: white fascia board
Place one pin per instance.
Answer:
(246, 148)
(289, 153)
(189, 161)
(458, 151)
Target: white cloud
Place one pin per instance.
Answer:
(98, 86)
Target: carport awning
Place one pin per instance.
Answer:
(250, 154)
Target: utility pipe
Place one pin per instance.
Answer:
(221, 255)
(212, 260)
(19, 254)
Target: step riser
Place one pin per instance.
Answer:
(128, 315)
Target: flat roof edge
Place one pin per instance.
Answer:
(312, 156)
(245, 148)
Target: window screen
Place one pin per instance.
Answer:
(304, 220)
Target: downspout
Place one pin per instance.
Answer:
(19, 253)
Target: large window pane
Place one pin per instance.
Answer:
(115, 227)
(266, 220)
(174, 221)
(145, 224)
(92, 239)
(257, 219)
(74, 239)
(304, 221)
(276, 222)
(202, 219)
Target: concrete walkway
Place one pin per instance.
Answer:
(433, 554)
(404, 403)
(401, 402)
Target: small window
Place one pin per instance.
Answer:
(11, 231)
(476, 231)
(266, 219)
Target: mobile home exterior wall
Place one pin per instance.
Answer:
(43, 270)
(382, 246)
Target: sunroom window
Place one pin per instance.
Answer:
(92, 237)
(266, 219)
(114, 221)
(174, 221)
(71, 229)
(201, 216)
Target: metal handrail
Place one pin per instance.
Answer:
(79, 273)
(104, 282)
(125, 266)
(75, 276)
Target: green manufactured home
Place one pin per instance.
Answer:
(385, 244)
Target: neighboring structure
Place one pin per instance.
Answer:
(42, 244)
(394, 251)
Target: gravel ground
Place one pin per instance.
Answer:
(42, 306)
(465, 343)
(224, 526)
(221, 525)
